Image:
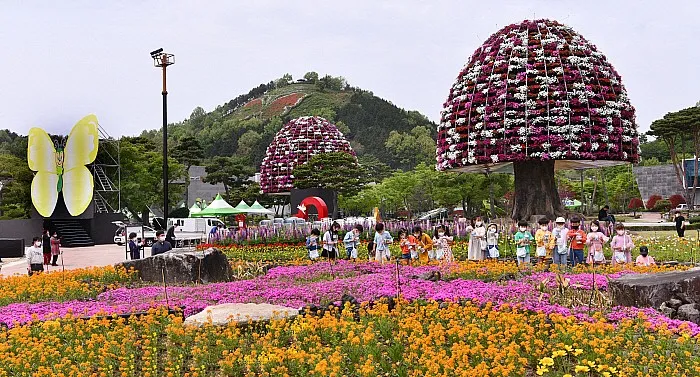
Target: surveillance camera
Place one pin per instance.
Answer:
(156, 52)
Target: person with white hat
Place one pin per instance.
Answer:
(561, 249)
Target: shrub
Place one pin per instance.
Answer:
(636, 204)
(662, 205)
(676, 200)
(651, 203)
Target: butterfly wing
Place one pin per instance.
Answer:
(45, 192)
(77, 189)
(80, 150)
(81, 146)
(41, 153)
(41, 156)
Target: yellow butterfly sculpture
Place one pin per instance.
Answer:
(63, 169)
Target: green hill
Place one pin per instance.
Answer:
(246, 125)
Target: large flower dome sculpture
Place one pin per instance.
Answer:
(534, 97)
(298, 141)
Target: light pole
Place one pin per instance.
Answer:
(163, 60)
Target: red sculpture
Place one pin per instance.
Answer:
(316, 202)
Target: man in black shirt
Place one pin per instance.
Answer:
(680, 224)
(604, 215)
(161, 245)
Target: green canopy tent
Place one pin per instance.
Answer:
(218, 207)
(243, 206)
(258, 209)
(194, 210)
(568, 203)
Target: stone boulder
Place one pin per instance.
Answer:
(221, 315)
(651, 290)
(206, 266)
(689, 312)
(430, 276)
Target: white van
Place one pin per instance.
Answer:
(194, 225)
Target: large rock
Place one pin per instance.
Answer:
(221, 315)
(651, 290)
(689, 312)
(206, 266)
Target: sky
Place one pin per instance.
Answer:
(62, 60)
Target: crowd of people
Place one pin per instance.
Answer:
(564, 246)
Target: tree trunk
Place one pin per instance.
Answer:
(605, 187)
(535, 190)
(492, 200)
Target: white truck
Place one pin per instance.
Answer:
(188, 231)
(194, 225)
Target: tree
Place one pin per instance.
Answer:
(411, 149)
(15, 195)
(376, 170)
(635, 204)
(651, 202)
(676, 200)
(674, 129)
(311, 77)
(142, 179)
(232, 172)
(248, 142)
(188, 152)
(503, 116)
(324, 112)
(284, 80)
(337, 171)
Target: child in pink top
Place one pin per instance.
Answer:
(621, 246)
(595, 241)
(644, 259)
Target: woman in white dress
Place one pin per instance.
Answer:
(477, 240)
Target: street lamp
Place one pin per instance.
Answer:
(163, 60)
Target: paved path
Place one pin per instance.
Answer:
(78, 257)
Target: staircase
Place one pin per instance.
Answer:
(71, 232)
(101, 205)
(103, 180)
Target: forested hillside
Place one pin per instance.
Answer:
(245, 126)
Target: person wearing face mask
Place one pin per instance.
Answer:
(561, 248)
(578, 241)
(595, 241)
(492, 241)
(644, 259)
(622, 246)
(423, 244)
(544, 240)
(523, 238)
(443, 241)
(161, 245)
(330, 242)
(35, 257)
(477, 241)
(134, 246)
(351, 241)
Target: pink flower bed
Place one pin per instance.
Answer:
(299, 286)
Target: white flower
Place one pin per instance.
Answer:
(594, 146)
(516, 148)
(494, 157)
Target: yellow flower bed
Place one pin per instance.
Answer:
(62, 286)
(413, 340)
